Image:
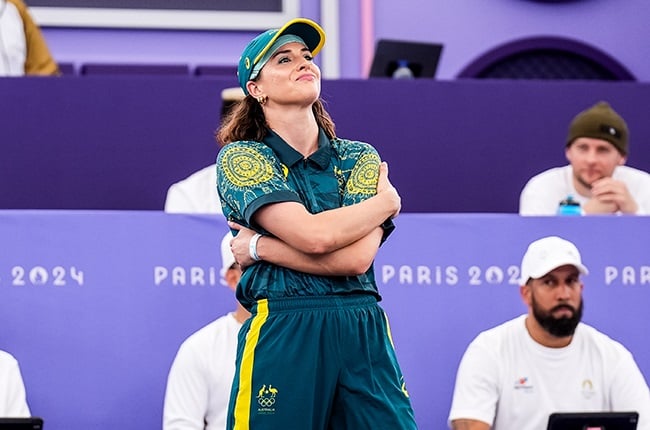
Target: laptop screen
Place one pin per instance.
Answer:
(593, 421)
(419, 57)
(33, 423)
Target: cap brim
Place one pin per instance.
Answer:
(547, 268)
(306, 29)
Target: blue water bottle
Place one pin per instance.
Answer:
(569, 207)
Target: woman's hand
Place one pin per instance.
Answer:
(239, 245)
(387, 189)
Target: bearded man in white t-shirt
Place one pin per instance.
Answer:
(513, 376)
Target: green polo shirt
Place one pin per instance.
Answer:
(253, 174)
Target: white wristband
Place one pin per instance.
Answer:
(252, 247)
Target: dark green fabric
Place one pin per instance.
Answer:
(325, 363)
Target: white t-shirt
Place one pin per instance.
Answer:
(543, 192)
(511, 382)
(13, 401)
(13, 46)
(195, 194)
(199, 382)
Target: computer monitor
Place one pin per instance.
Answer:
(32, 423)
(421, 58)
(593, 421)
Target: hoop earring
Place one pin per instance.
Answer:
(262, 100)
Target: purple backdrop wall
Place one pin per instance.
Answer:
(467, 28)
(95, 304)
(119, 142)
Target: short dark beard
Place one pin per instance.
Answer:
(558, 327)
(583, 183)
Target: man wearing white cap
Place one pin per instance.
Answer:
(513, 376)
(23, 49)
(198, 387)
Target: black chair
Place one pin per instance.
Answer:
(67, 69)
(134, 69)
(215, 70)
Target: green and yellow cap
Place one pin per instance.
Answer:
(259, 50)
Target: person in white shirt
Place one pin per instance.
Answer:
(198, 192)
(195, 194)
(23, 50)
(513, 376)
(597, 148)
(199, 382)
(13, 400)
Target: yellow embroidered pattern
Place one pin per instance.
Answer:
(364, 177)
(244, 167)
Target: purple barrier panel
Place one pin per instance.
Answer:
(95, 304)
(118, 142)
(213, 70)
(104, 143)
(91, 69)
